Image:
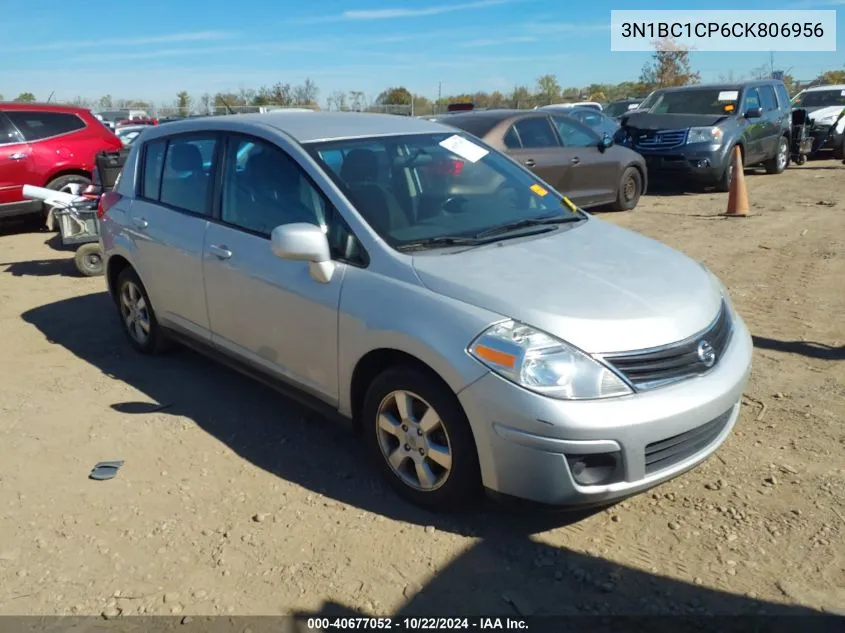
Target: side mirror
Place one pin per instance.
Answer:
(606, 142)
(753, 113)
(304, 242)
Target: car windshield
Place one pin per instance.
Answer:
(429, 186)
(820, 99)
(694, 101)
(616, 109)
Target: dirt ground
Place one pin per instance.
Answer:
(234, 500)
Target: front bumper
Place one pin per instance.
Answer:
(524, 440)
(700, 164)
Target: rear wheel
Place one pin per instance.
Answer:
(420, 439)
(137, 317)
(73, 184)
(630, 190)
(778, 163)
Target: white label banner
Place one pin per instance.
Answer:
(769, 31)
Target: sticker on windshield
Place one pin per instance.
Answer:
(728, 95)
(464, 148)
(538, 190)
(729, 107)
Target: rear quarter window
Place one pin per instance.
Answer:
(153, 163)
(40, 125)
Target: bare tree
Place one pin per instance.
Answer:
(358, 100)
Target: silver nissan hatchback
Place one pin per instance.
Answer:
(479, 328)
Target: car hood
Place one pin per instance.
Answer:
(647, 121)
(597, 286)
(816, 114)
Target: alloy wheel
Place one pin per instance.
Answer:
(135, 313)
(413, 440)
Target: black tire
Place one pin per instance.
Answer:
(64, 182)
(156, 342)
(780, 161)
(724, 182)
(89, 260)
(630, 190)
(463, 481)
(839, 149)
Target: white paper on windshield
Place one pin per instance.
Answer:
(842, 93)
(464, 148)
(728, 95)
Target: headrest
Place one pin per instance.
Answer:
(360, 165)
(185, 157)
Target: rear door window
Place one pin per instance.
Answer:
(36, 125)
(536, 132)
(186, 177)
(767, 98)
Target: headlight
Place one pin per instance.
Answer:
(544, 364)
(711, 135)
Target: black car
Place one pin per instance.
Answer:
(618, 109)
(690, 131)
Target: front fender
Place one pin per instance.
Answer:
(378, 312)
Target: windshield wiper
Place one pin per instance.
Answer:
(442, 240)
(527, 222)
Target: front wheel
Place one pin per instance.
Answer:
(421, 439)
(726, 180)
(630, 190)
(778, 163)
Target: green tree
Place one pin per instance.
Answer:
(183, 103)
(832, 77)
(394, 96)
(548, 89)
(25, 97)
(670, 66)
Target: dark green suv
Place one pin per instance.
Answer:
(690, 131)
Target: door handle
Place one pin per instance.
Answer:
(575, 160)
(220, 252)
(529, 162)
(141, 223)
(18, 156)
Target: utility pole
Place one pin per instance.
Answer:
(439, 95)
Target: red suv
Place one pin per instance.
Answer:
(49, 146)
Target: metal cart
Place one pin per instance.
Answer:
(79, 226)
(802, 142)
(77, 217)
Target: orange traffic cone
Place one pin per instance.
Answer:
(737, 194)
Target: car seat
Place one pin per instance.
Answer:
(185, 178)
(375, 202)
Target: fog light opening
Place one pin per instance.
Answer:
(595, 470)
(704, 163)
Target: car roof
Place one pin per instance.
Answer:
(739, 85)
(307, 127)
(822, 88)
(481, 122)
(42, 107)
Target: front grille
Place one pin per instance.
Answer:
(660, 140)
(673, 450)
(648, 369)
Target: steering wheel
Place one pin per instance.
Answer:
(452, 204)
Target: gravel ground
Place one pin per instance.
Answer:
(234, 500)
